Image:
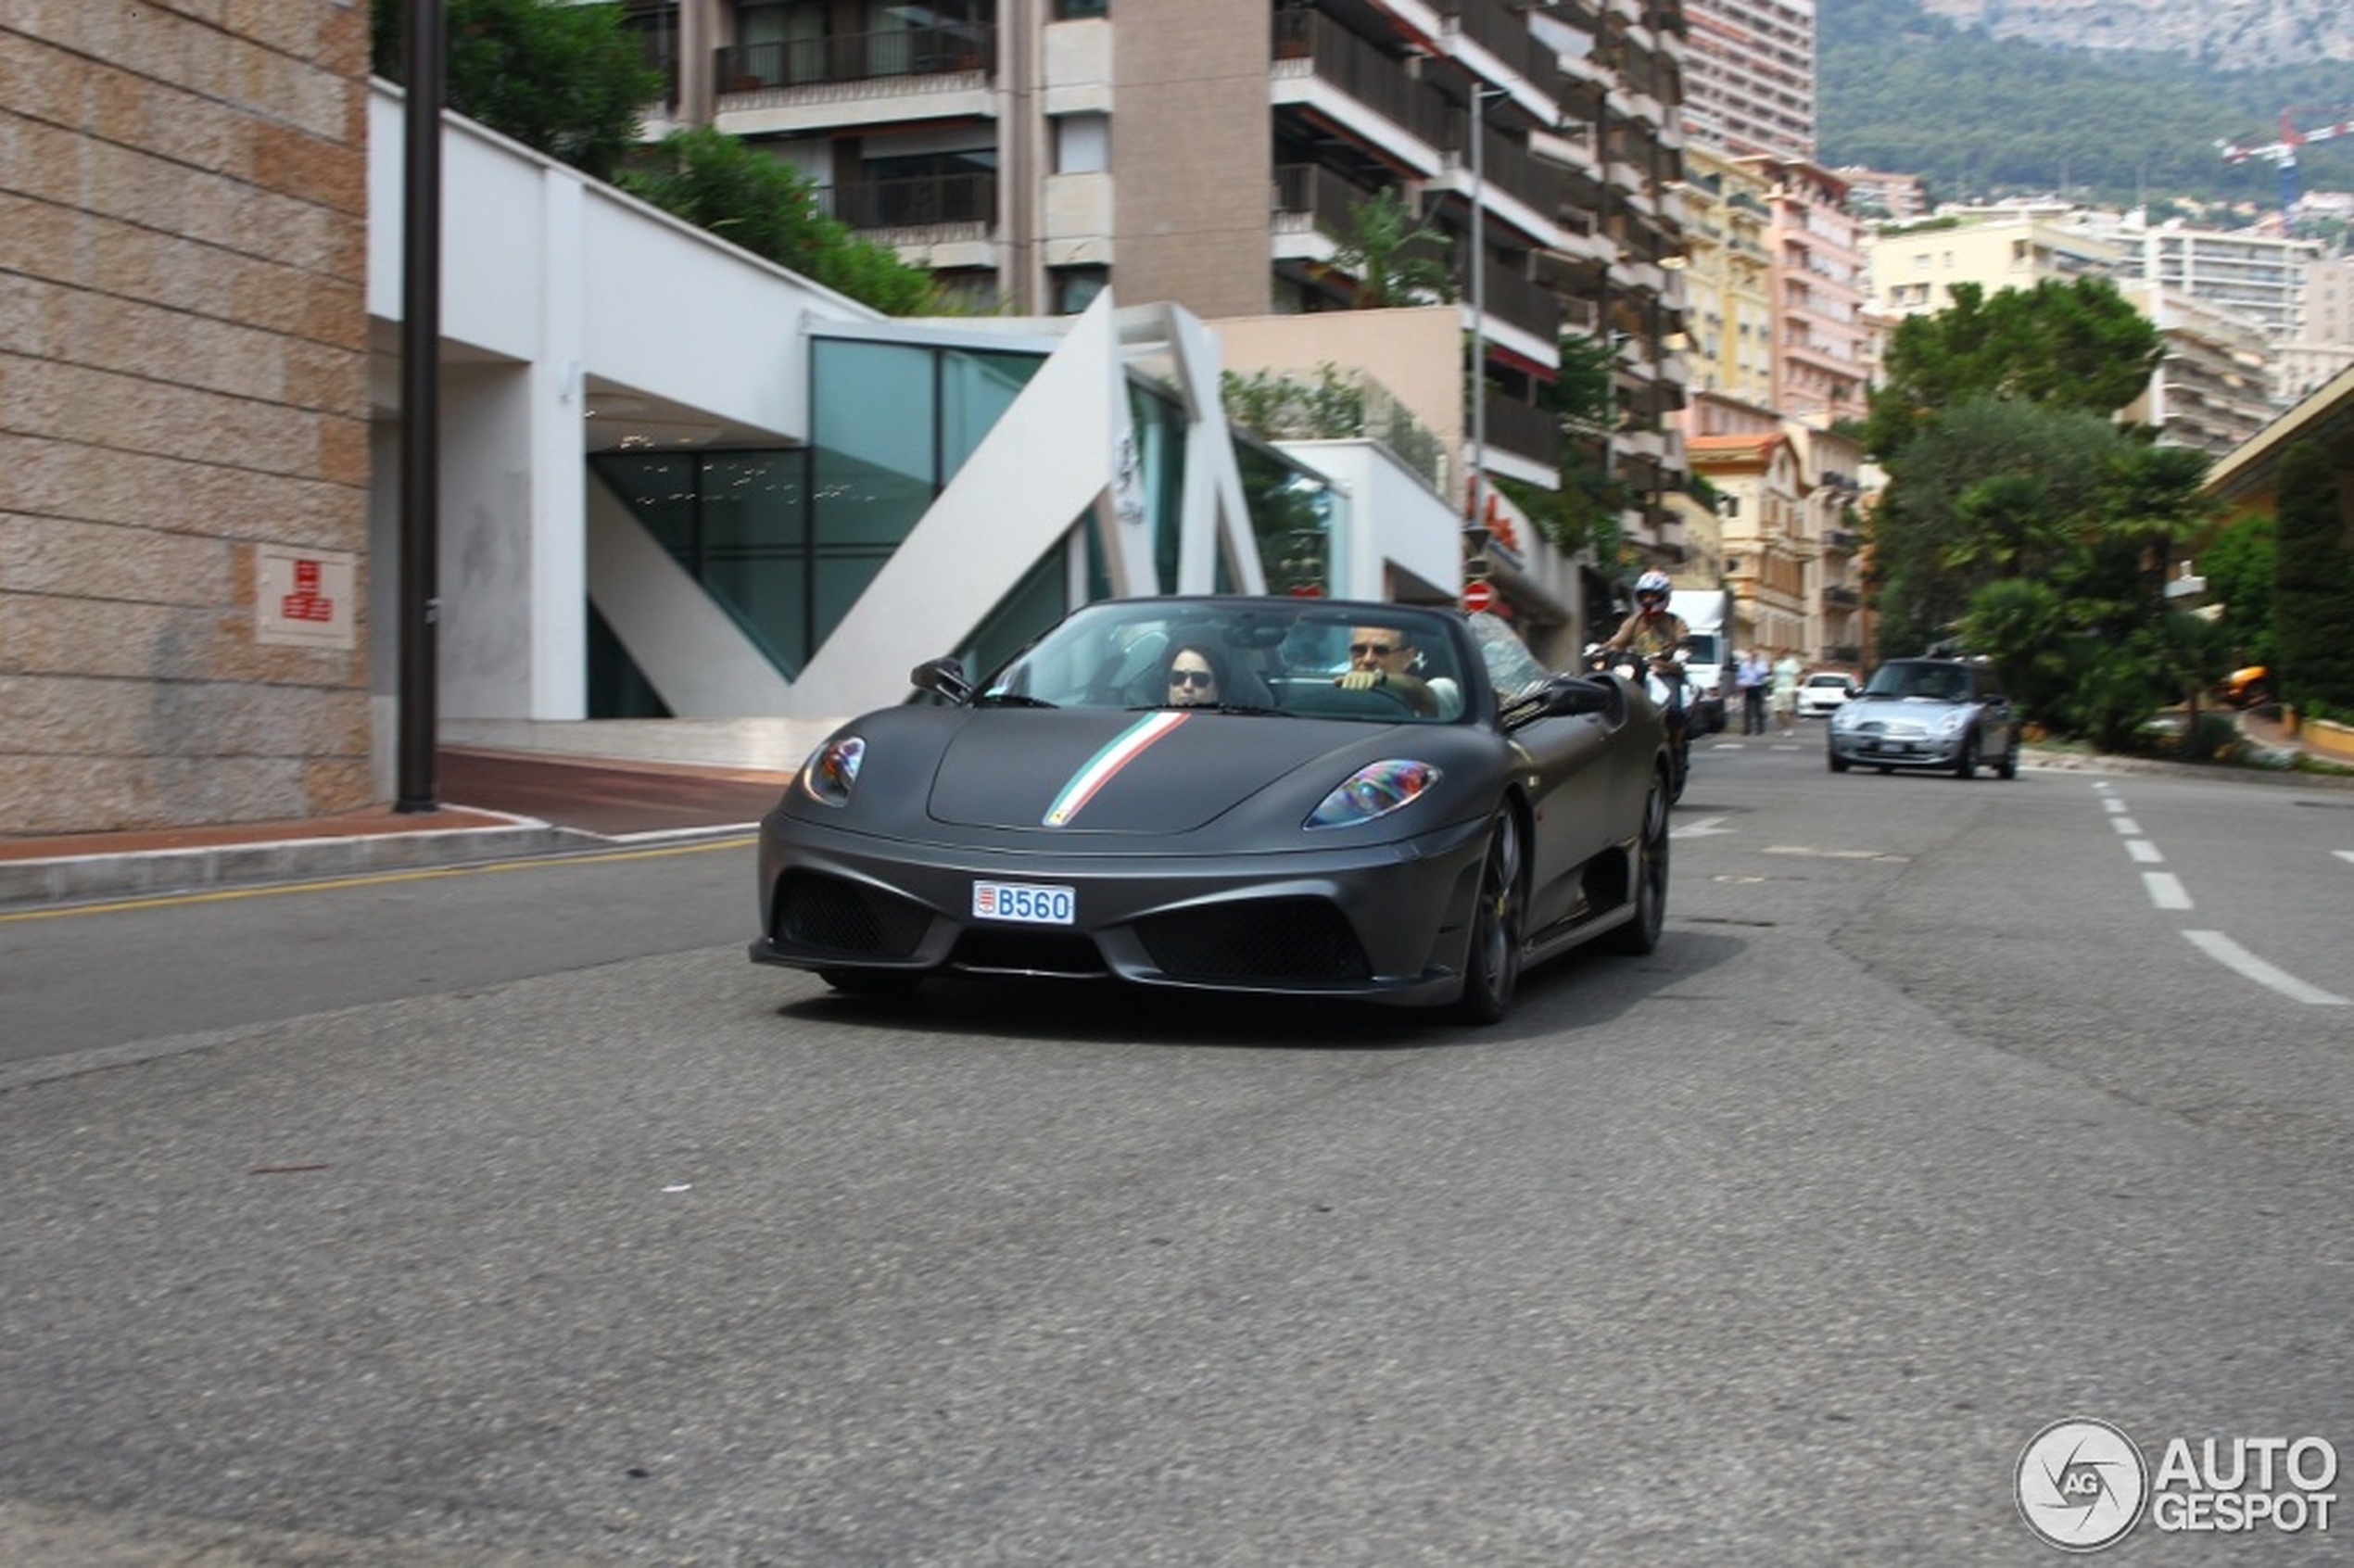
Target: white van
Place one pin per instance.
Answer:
(1706, 613)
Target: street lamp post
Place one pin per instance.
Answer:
(420, 407)
(1479, 306)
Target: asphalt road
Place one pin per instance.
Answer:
(511, 1217)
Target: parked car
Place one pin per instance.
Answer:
(1820, 694)
(1927, 714)
(1287, 831)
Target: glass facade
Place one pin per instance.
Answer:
(787, 540)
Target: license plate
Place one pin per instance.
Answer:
(1028, 903)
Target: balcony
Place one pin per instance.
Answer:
(857, 57)
(1309, 198)
(1511, 298)
(1527, 432)
(920, 209)
(1312, 44)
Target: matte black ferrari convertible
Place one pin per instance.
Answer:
(1296, 796)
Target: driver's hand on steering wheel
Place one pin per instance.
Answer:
(1362, 680)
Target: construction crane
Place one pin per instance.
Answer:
(2283, 154)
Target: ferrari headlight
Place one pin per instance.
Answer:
(832, 770)
(1375, 789)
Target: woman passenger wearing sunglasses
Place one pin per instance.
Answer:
(1197, 676)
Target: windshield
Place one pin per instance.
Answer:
(1382, 664)
(1944, 683)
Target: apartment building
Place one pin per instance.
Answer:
(1218, 153)
(1883, 197)
(1913, 268)
(2325, 347)
(1749, 81)
(2213, 386)
(1729, 270)
(1788, 495)
(1822, 352)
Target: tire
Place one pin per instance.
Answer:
(1680, 763)
(1641, 935)
(2008, 767)
(1966, 766)
(1837, 764)
(1491, 960)
(871, 983)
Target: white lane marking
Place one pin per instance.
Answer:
(2346, 855)
(2126, 825)
(1833, 854)
(1698, 827)
(2232, 955)
(2165, 889)
(2112, 803)
(2146, 852)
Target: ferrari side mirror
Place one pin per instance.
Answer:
(941, 678)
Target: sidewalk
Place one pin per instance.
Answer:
(495, 803)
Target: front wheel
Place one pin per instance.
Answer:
(1966, 766)
(2008, 767)
(1837, 764)
(1491, 964)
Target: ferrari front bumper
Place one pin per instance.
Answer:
(1386, 921)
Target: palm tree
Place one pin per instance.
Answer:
(1396, 259)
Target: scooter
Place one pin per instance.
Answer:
(1674, 693)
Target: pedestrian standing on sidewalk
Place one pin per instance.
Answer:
(1751, 677)
(1786, 670)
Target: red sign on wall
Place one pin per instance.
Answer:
(304, 597)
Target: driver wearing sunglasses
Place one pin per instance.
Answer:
(1381, 657)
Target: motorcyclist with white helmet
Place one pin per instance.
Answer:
(1659, 634)
(1653, 629)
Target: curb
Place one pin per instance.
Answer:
(83, 878)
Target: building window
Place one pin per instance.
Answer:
(1083, 144)
(1072, 289)
(1076, 10)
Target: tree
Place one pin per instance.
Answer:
(1989, 488)
(1396, 259)
(722, 183)
(2313, 586)
(2076, 345)
(567, 79)
(2239, 569)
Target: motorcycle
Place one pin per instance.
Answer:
(1678, 697)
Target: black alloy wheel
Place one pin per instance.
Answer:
(1641, 934)
(1491, 962)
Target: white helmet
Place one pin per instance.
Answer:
(1652, 582)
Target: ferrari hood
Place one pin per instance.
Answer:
(1167, 771)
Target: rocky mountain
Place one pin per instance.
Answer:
(1928, 87)
(2227, 34)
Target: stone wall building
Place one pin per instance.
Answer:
(184, 460)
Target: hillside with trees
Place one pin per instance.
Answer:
(1980, 118)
